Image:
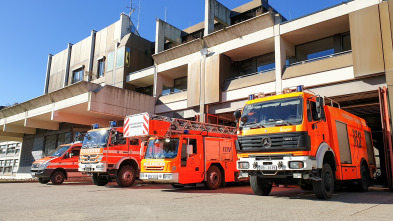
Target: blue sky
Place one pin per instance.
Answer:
(30, 30)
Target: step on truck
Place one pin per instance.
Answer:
(107, 155)
(59, 165)
(293, 138)
(183, 152)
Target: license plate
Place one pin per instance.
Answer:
(88, 166)
(152, 176)
(267, 167)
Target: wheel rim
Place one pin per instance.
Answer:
(328, 181)
(59, 178)
(127, 177)
(214, 178)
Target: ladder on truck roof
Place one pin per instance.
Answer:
(174, 125)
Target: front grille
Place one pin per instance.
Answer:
(279, 141)
(89, 158)
(154, 168)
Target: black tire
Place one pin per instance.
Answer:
(43, 180)
(261, 187)
(214, 178)
(177, 186)
(126, 176)
(324, 188)
(57, 178)
(99, 180)
(364, 181)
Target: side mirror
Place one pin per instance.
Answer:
(237, 114)
(318, 106)
(189, 149)
(142, 150)
(67, 155)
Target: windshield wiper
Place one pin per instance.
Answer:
(257, 124)
(280, 121)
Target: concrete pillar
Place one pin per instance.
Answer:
(67, 70)
(92, 47)
(215, 11)
(280, 55)
(165, 31)
(160, 38)
(48, 67)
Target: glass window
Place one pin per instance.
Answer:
(162, 149)
(77, 75)
(110, 62)
(134, 142)
(59, 151)
(95, 139)
(101, 68)
(346, 42)
(120, 57)
(120, 140)
(16, 161)
(128, 57)
(282, 112)
(179, 84)
(1, 163)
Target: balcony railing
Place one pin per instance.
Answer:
(319, 58)
(174, 92)
(247, 75)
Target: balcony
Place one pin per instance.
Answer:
(317, 65)
(249, 80)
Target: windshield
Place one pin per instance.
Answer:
(59, 151)
(96, 139)
(162, 149)
(283, 112)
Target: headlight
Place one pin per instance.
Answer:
(44, 165)
(296, 165)
(168, 176)
(243, 165)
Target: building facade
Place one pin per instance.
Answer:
(9, 157)
(206, 72)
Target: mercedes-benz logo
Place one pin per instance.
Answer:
(88, 157)
(266, 142)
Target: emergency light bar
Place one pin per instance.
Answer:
(95, 126)
(112, 124)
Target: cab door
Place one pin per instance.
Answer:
(191, 162)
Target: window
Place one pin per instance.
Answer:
(77, 75)
(110, 62)
(101, 68)
(134, 142)
(128, 57)
(75, 152)
(16, 161)
(11, 150)
(145, 90)
(120, 140)
(179, 84)
(346, 42)
(120, 57)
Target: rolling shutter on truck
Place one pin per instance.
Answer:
(343, 142)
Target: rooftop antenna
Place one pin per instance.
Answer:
(139, 13)
(165, 13)
(132, 10)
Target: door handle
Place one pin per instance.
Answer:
(196, 168)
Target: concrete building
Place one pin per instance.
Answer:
(9, 157)
(207, 71)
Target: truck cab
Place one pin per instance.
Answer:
(293, 138)
(59, 165)
(106, 154)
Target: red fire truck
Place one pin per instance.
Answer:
(184, 152)
(61, 164)
(294, 138)
(106, 155)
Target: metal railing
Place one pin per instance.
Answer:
(247, 75)
(319, 58)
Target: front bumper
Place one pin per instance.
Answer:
(160, 177)
(277, 168)
(45, 173)
(92, 167)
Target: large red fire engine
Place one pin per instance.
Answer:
(184, 152)
(106, 154)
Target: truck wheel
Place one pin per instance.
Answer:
(177, 186)
(324, 188)
(43, 180)
(364, 181)
(126, 176)
(99, 180)
(214, 178)
(261, 187)
(57, 178)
